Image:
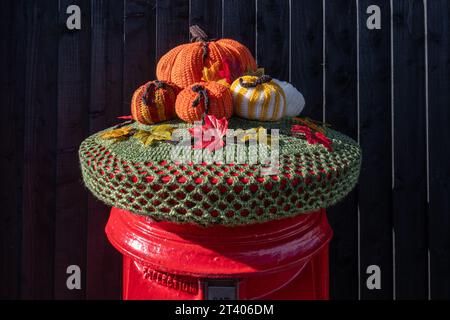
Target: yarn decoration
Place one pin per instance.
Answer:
(258, 98)
(184, 64)
(144, 180)
(295, 102)
(154, 102)
(203, 98)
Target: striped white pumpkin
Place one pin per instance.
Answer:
(265, 102)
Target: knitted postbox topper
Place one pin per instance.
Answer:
(131, 167)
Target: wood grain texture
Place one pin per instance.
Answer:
(410, 178)
(307, 54)
(239, 22)
(139, 47)
(273, 37)
(38, 85)
(374, 193)
(57, 87)
(104, 263)
(11, 131)
(172, 27)
(207, 14)
(439, 146)
(341, 113)
(72, 128)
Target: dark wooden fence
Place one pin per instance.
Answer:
(387, 88)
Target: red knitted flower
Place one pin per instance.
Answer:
(210, 135)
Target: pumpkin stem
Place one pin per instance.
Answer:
(257, 82)
(151, 88)
(202, 93)
(198, 34)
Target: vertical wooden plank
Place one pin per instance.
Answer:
(104, 263)
(38, 86)
(208, 15)
(239, 22)
(72, 128)
(410, 178)
(273, 37)
(439, 146)
(307, 54)
(341, 113)
(10, 156)
(139, 50)
(375, 182)
(172, 26)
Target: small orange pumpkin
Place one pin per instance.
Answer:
(183, 65)
(204, 98)
(154, 102)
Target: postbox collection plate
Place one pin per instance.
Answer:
(225, 289)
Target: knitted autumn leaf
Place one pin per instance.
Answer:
(256, 134)
(157, 133)
(311, 136)
(313, 124)
(213, 74)
(210, 135)
(257, 73)
(118, 134)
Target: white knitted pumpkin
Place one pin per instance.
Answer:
(294, 99)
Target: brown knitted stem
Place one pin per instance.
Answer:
(202, 93)
(152, 87)
(197, 34)
(259, 81)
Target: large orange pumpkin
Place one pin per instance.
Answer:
(183, 65)
(154, 102)
(203, 98)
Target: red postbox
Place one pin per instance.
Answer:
(281, 259)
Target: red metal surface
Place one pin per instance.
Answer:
(284, 259)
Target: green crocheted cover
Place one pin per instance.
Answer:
(142, 179)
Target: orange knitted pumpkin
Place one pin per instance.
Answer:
(183, 65)
(154, 102)
(204, 98)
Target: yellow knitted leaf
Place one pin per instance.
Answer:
(118, 134)
(254, 134)
(157, 133)
(212, 74)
